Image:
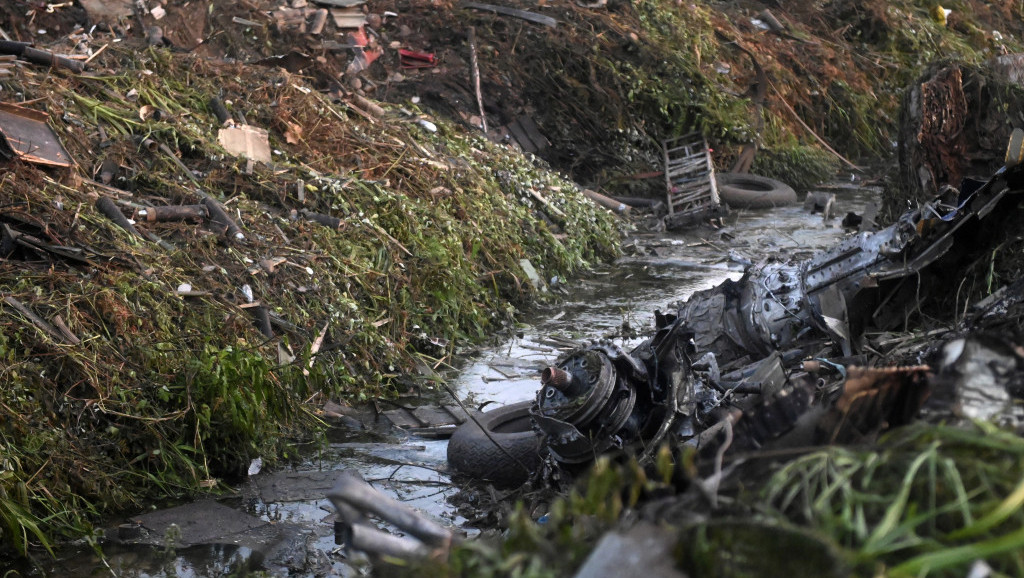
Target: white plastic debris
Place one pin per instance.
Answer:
(255, 466)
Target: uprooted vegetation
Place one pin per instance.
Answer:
(157, 381)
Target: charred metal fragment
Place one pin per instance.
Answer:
(749, 337)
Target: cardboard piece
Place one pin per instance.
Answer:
(246, 141)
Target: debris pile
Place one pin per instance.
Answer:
(196, 254)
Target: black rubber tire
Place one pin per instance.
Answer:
(746, 191)
(509, 459)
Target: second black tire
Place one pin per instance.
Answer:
(506, 454)
(746, 191)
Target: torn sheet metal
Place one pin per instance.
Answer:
(27, 135)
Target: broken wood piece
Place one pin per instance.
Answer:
(547, 204)
(261, 317)
(174, 213)
(319, 20)
(225, 224)
(244, 21)
(271, 263)
(36, 320)
(514, 12)
(325, 220)
(220, 111)
(607, 202)
(71, 338)
(527, 134)
(773, 23)
(27, 135)
(370, 106)
(108, 209)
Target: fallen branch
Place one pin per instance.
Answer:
(476, 76)
(36, 320)
(325, 220)
(808, 129)
(607, 202)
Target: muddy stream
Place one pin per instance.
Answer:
(286, 522)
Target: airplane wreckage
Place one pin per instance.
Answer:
(752, 362)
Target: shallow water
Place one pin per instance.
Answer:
(659, 271)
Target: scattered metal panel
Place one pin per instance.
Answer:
(428, 421)
(689, 180)
(29, 136)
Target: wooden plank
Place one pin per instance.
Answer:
(521, 137)
(533, 131)
(688, 165)
(688, 187)
(692, 198)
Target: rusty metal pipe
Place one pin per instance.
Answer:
(556, 378)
